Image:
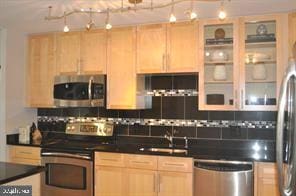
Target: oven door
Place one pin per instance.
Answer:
(79, 91)
(67, 176)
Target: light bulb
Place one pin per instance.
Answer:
(66, 29)
(108, 26)
(173, 18)
(193, 15)
(222, 14)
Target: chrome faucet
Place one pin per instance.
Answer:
(169, 137)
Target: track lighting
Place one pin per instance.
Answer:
(193, 14)
(108, 25)
(90, 24)
(172, 16)
(66, 28)
(222, 14)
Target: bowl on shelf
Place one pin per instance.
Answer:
(215, 99)
(254, 57)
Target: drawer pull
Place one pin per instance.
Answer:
(140, 162)
(22, 152)
(175, 164)
(106, 159)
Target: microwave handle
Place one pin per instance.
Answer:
(89, 89)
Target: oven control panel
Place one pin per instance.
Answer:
(91, 128)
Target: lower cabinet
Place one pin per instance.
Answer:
(266, 180)
(142, 175)
(110, 181)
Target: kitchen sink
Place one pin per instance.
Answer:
(165, 150)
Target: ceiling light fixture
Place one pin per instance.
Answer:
(193, 14)
(135, 7)
(222, 14)
(108, 26)
(172, 15)
(66, 28)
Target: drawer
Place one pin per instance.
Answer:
(26, 152)
(109, 159)
(266, 170)
(141, 162)
(26, 161)
(175, 164)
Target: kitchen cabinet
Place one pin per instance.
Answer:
(125, 90)
(143, 175)
(292, 33)
(68, 53)
(263, 61)
(24, 155)
(151, 48)
(219, 59)
(82, 52)
(40, 70)
(161, 48)
(243, 61)
(266, 180)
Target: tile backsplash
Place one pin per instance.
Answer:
(174, 110)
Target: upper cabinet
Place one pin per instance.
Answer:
(68, 53)
(124, 87)
(263, 60)
(161, 48)
(82, 52)
(218, 76)
(292, 35)
(40, 70)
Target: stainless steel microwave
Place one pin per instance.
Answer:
(79, 91)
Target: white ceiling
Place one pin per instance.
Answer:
(28, 15)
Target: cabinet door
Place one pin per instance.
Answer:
(121, 70)
(68, 53)
(93, 52)
(110, 181)
(219, 71)
(262, 62)
(175, 184)
(40, 71)
(292, 35)
(182, 47)
(151, 49)
(267, 187)
(142, 182)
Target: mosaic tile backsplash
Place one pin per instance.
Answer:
(174, 110)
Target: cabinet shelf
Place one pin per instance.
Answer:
(218, 82)
(209, 46)
(261, 81)
(218, 62)
(265, 61)
(261, 44)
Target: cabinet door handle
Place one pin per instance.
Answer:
(168, 62)
(163, 62)
(155, 183)
(236, 99)
(242, 99)
(159, 182)
(78, 67)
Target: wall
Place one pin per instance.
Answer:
(2, 93)
(16, 114)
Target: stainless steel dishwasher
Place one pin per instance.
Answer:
(223, 178)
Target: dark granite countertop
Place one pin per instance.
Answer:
(257, 150)
(10, 171)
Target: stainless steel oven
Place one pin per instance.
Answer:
(79, 91)
(67, 173)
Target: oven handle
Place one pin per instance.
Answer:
(68, 155)
(90, 90)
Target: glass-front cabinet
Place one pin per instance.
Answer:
(261, 62)
(219, 65)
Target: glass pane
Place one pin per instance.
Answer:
(66, 176)
(260, 61)
(218, 75)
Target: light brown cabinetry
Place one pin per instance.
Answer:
(292, 34)
(124, 87)
(266, 180)
(142, 175)
(40, 70)
(24, 155)
(82, 52)
(68, 53)
(167, 48)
